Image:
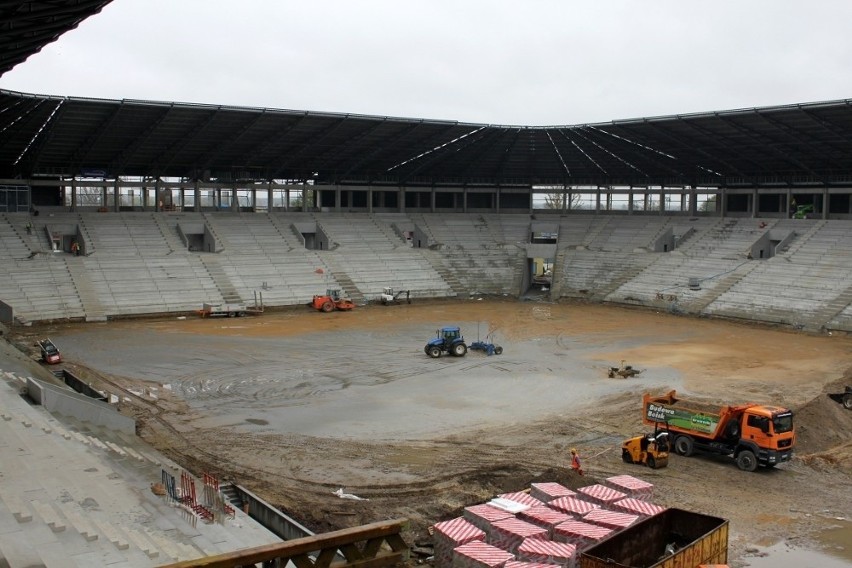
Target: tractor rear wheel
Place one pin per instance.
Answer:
(652, 462)
(625, 456)
(498, 350)
(434, 352)
(327, 306)
(459, 349)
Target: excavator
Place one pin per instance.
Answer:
(390, 297)
(333, 299)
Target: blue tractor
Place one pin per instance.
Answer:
(449, 340)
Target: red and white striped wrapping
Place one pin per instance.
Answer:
(600, 494)
(478, 554)
(523, 498)
(573, 506)
(544, 517)
(610, 519)
(546, 492)
(637, 507)
(508, 534)
(632, 486)
(580, 534)
(483, 515)
(548, 552)
(450, 534)
(522, 564)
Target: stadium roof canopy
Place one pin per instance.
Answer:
(803, 144)
(794, 145)
(26, 27)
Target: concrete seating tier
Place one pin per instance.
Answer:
(124, 233)
(360, 232)
(797, 288)
(76, 495)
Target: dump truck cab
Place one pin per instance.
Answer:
(767, 432)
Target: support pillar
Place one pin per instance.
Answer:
(598, 201)
(269, 197)
(196, 192)
(115, 196)
(755, 204)
(693, 201)
(74, 193)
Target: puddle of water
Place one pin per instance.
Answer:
(837, 552)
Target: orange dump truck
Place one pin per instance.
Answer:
(753, 434)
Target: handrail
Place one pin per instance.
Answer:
(372, 554)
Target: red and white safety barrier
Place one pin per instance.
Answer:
(610, 519)
(581, 535)
(483, 515)
(478, 554)
(600, 494)
(547, 492)
(450, 534)
(508, 534)
(631, 486)
(573, 506)
(523, 498)
(637, 507)
(544, 517)
(548, 552)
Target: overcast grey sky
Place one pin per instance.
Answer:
(531, 62)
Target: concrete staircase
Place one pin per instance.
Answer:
(92, 306)
(220, 278)
(434, 258)
(342, 278)
(169, 232)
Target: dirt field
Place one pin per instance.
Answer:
(297, 404)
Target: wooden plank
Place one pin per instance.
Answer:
(299, 547)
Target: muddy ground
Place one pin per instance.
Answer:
(297, 404)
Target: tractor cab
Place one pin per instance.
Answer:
(448, 340)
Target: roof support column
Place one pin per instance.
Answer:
(662, 209)
(337, 198)
(115, 205)
(73, 193)
(598, 201)
(693, 201)
(432, 201)
(755, 204)
(370, 199)
(723, 202)
(157, 204)
(825, 198)
(269, 201)
(235, 202)
(789, 197)
(196, 197)
(497, 200)
(401, 199)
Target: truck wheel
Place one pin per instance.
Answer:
(625, 456)
(434, 352)
(498, 350)
(684, 446)
(327, 306)
(459, 349)
(847, 401)
(746, 460)
(652, 462)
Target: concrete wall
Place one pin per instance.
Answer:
(7, 313)
(81, 407)
(274, 520)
